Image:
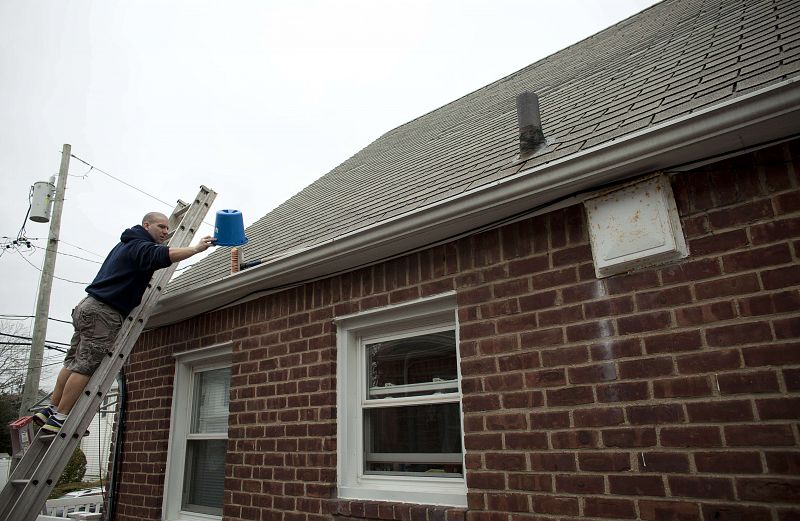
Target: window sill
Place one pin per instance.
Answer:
(390, 511)
(433, 491)
(184, 515)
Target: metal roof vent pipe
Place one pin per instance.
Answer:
(531, 137)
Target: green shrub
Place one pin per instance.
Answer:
(75, 469)
(60, 490)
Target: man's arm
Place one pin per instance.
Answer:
(179, 254)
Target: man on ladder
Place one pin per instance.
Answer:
(115, 292)
(43, 462)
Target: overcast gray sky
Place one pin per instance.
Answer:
(255, 99)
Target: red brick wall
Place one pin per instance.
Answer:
(669, 393)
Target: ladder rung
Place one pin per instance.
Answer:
(20, 481)
(51, 437)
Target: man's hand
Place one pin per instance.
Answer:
(179, 254)
(204, 243)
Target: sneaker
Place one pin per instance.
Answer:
(53, 425)
(40, 414)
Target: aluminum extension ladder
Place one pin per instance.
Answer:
(38, 471)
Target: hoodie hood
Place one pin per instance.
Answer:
(134, 233)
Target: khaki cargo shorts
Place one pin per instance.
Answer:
(96, 326)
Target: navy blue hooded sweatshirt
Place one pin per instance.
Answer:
(125, 273)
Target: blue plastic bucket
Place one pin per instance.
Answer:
(229, 228)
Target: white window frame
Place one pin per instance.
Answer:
(435, 313)
(187, 364)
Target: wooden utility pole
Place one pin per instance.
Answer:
(36, 358)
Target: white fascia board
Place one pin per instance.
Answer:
(766, 115)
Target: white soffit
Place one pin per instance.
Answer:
(635, 226)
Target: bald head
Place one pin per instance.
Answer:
(152, 217)
(157, 226)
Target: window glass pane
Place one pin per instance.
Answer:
(413, 366)
(413, 439)
(210, 401)
(204, 477)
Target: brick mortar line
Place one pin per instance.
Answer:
(634, 293)
(649, 333)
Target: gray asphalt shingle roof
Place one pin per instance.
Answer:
(669, 60)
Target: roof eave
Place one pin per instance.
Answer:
(766, 115)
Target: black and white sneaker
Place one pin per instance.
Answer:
(53, 425)
(41, 413)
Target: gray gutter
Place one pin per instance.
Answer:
(746, 121)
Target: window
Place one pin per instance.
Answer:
(399, 400)
(199, 435)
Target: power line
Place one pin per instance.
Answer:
(4, 316)
(84, 176)
(27, 242)
(83, 249)
(21, 233)
(40, 269)
(92, 167)
(25, 368)
(54, 348)
(74, 256)
(62, 241)
(29, 338)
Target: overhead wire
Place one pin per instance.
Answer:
(54, 348)
(32, 246)
(25, 368)
(78, 247)
(85, 175)
(55, 277)
(47, 360)
(21, 238)
(15, 317)
(21, 231)
(73, 256)
(30, 338)
(4, 316)
(92, 167)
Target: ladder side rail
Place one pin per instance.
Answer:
(44, 460)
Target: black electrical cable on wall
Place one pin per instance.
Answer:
(119, 431)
